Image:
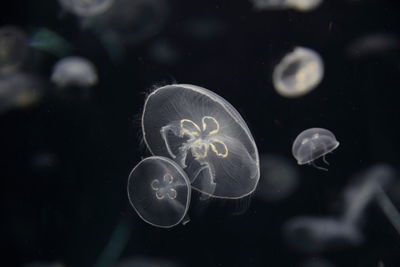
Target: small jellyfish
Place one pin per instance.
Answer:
(86, 8)
(312, 144)
(159, 191)
(74, 71)
(13, 49)
(298, 73)
(206, 136)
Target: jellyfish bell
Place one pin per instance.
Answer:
(85, 8)
(298, 73)
(314, 234)
(299, 5)
(206, 136)
(13, 49)
(74, 71)
(312, 144)
(159, 191)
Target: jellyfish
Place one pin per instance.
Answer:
(19, 90)
(74, 71)
(206, 136)
(279, 178)
(316, 234)
(86, 8)
(159, 191)
(298, 73)
(299, 5)
(312, 144)
(13, 49)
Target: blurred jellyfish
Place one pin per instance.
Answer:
(316, 234)
(205, 28)
(86, 8)
(46, 40)
(144, 261)
(159, 191)
(13, 49)
(374, 44)
(19, 90)
(130, 21)
(164, 52)
(298, 73)
(299, 5)
(278, 180)
(44, 264)
(74, 71)
(312, 144)
(313, 234)
(206, 136)
(316, 262)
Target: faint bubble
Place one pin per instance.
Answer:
(374, 44)
(299, 5)
(13, 49)
(143, 261)
(86, 8)
(313, 234)
(279, 178)
(298, 73)
(159, 191)
(74, 71)
(206, 136)
(312, 144)
(19, 90)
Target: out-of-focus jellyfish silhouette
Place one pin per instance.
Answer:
(373, 44)
(278, 180)
(299, 5)
(314, 234)
(145, 261)
(86, 8)
(13, 49)
(316, 262)
(74, 71)
(205, 28)
(206, 136)
(164, 52)
(298, 73)
(19, 90)
(312, 144)
(44, 161)
(49, 41)
(317, 234)
(44, 264)
(159, 191)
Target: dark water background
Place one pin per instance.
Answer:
(66, 209)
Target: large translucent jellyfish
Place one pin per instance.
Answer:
(312, 144)
(299, 5)
(19, 90)
(85, 8)
(206, 136)
(159, 191)
(298, 72)
(13, 49)
(74, 71)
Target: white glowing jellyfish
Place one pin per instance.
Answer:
(299, 5)
(74, 71)
(206, 136)
(312, 144)
(159, 191)
(298, 72)
(13, 49)
(85, 8)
